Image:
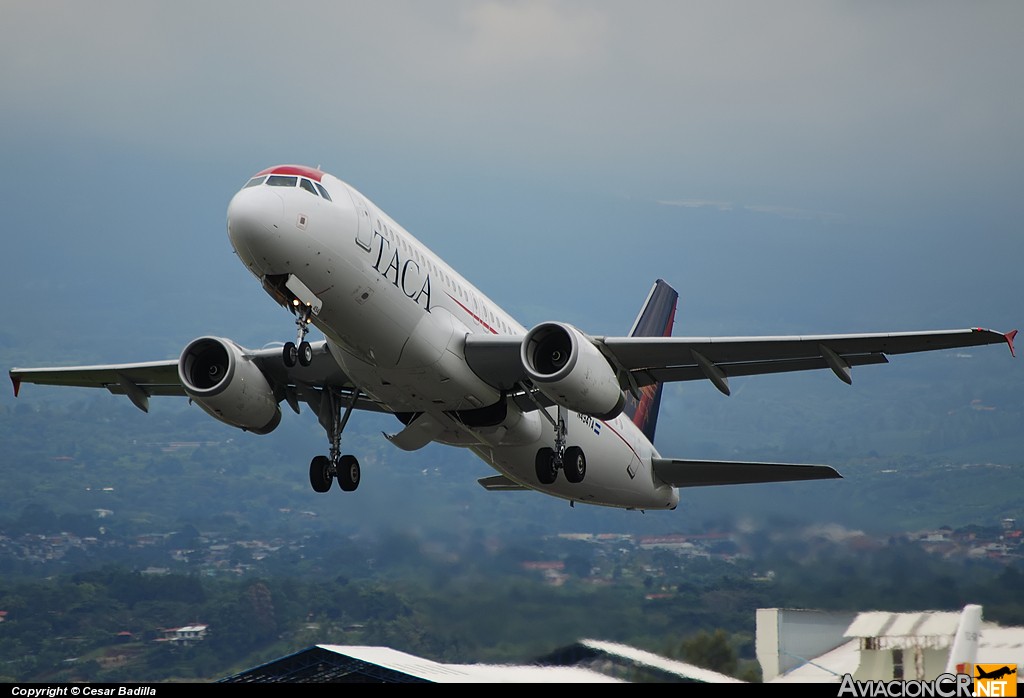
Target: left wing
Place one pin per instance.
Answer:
(666, 359)
(641, 361)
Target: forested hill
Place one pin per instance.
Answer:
(117, 524)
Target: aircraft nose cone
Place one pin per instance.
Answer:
(254, 219)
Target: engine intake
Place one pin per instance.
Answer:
(218, 376)
(570, 370)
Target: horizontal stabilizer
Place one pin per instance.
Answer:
(701, 473)
(500, 483)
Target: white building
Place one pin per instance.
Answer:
(795, 645)
(185, 635)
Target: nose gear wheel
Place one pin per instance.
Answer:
(300, 351)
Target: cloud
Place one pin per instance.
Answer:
(796, 213)
(700, 203)
(753, 100)
(531, 36)
(790, 212)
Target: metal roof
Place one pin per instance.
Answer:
(361, 664)
(401, 662)
(913, 624)
(827, 668)
(357, 663)
(468, 673)
(654, 661)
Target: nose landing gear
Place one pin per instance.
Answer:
(300, 350)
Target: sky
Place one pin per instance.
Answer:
(781, 106)
(789, 167)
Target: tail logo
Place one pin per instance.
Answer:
(655, 320)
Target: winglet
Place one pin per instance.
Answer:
(1009, 340)
(17, 383)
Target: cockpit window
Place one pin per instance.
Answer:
(278, 180)
(281, 181)
(323, 192)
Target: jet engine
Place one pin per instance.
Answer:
(569, 369)
(220, 378)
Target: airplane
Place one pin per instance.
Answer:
(996, 674)
(550, 408)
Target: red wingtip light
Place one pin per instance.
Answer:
(1009, 340)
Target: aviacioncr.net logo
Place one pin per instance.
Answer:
(995, 679)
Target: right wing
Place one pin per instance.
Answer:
(139, 381)
(154, 377)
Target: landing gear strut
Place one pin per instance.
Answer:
(571, 460)
(299, 350)
(324, 469)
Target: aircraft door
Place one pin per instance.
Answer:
(364, 233)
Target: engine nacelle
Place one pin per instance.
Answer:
(565, 365)
(219, 378)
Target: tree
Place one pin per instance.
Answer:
(711, 651)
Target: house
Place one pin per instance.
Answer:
(185, 635)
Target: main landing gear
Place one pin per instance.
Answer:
(570, 460)
(300, 350)
(324, 469)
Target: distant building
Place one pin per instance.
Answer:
(185, 635)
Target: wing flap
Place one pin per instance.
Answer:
(703, 473)
(500, 483)
(417, 434)
(749, 368)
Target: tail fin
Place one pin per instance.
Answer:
(965, 643)
(655, 320)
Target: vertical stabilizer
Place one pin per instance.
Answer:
(655, 320)
(965, 644)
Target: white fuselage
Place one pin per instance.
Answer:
(396, 316)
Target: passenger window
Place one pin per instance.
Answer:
(323, 192)
(281, 181)
(308, 186)
(255, 181)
